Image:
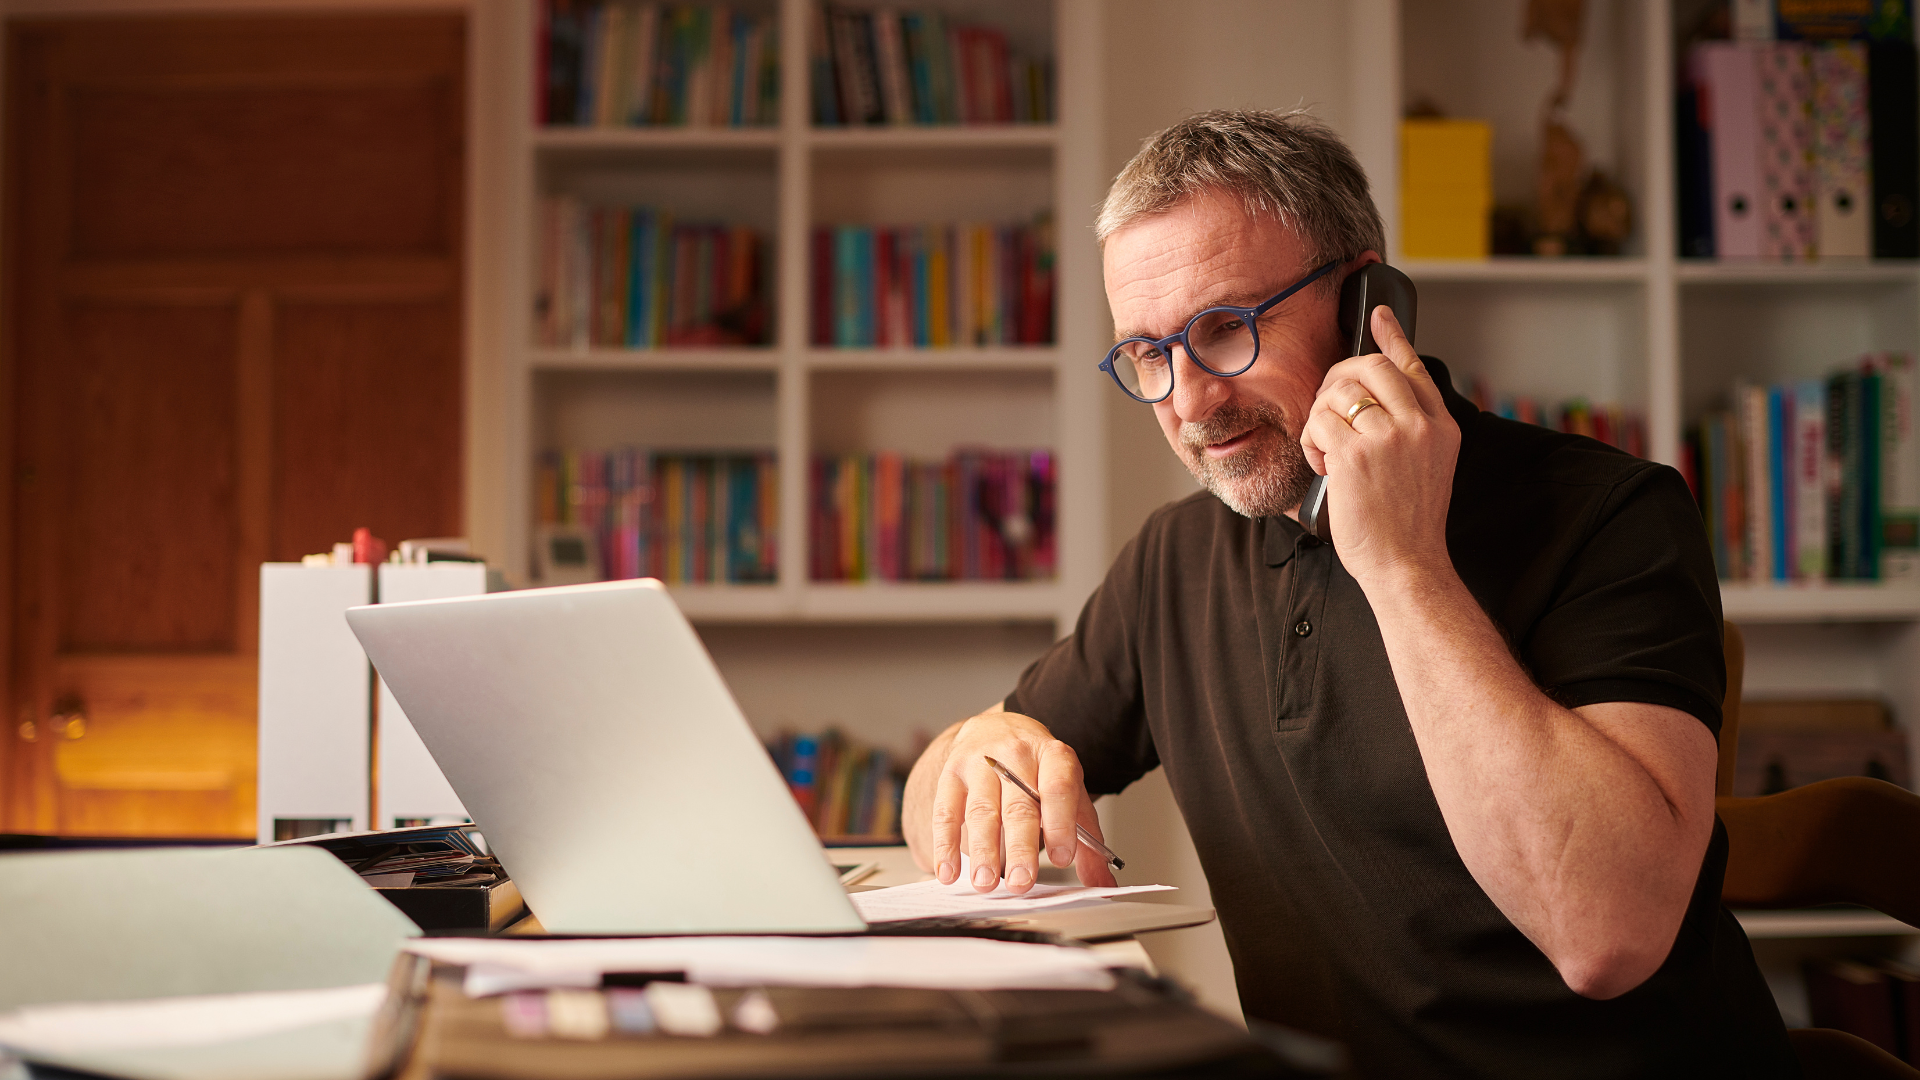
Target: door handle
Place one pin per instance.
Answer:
(69, 719)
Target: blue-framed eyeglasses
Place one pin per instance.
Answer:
(1224, 341)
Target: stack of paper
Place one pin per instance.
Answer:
(932, 900)
(500, 965)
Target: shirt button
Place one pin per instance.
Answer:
(1302, 628)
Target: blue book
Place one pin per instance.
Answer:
(595, 27)
(916, 258)
(863, 284)
(913, 33)
(740, 30)
(639, 277)
(1777, 474)
(743, 526)
(846, 297)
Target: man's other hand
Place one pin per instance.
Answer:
(956, 803)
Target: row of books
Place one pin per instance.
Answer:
(933, 285)
(1610, 423)
(676, 517)
(634, 277)
(616, 63)
(845, 788)
(1797, 150)
(978, 515)
(1815, 479)
(913, 67)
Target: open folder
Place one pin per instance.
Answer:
(264, 964)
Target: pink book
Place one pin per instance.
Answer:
(1727, 72)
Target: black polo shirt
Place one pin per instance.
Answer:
(1242, 656)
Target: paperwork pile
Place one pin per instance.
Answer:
(932, 900)
(500, 965)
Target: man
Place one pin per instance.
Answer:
(1464, 758)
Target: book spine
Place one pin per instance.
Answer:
(1848, 515)
(1809, 479)
(591, 28)
(643, 54)
(890, 54)
(1728, 76)
(1870, 452)
(1893, 98)
(1786, 152)
(1759, 475)
(863, 285)
(826, 91)
(1843, 221)
(1899, 471)
(1779, 475)
(609, 88)
(1694, 154)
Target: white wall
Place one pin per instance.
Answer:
(1166, 61)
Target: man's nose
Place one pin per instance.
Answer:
(1197, 392)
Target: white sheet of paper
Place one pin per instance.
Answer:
(930, 899)
(180, 1021)
(499, 965)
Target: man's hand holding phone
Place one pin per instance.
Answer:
(973, 810)
(1379, 431)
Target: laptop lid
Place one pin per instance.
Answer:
(592, 739)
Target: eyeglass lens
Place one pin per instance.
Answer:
(1221, 341)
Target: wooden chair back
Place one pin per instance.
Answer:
(1848, 841)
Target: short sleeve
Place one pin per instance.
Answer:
(1087, 688)
(1637, 615)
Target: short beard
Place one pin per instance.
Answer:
(1265, 479)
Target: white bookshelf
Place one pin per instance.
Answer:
(798, 399)
(1662, 335)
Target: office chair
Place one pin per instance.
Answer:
(1852, 840)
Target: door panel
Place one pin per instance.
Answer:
(231, 331)
(147, 431)
(365, 431)
(253, 170)
(167, 745)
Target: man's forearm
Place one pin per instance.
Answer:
(1591, 853)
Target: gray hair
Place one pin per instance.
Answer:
(1284, 164)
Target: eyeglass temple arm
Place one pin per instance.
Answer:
(1301, 284)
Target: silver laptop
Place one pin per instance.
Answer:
(592, 739)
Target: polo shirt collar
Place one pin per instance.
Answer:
(1284, 535)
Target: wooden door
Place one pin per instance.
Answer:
(232, 303)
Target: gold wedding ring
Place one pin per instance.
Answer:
(1359, 407)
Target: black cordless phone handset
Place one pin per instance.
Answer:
(1365, 289)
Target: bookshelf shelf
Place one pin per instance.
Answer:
(1821, 923)
(1524, 270)
(1826, 602)
(872, 602)
(661, 360)
(1835, 272)
(907, 136)
(655, 138)
(1012, 358)
(732, 603)
(941, 601)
